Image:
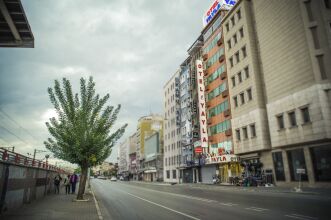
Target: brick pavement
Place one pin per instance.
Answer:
(55, 207)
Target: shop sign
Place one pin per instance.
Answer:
(197, 144)
(215, 7)
(202, 105)
(198, 150)
(301, 171)
(222, 159)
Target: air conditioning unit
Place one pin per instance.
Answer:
(228, 132)
(225, 93)
(205, 57)
(223, 76)
(221, 58)
(227, 113)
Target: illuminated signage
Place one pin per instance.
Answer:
(215, 7)
(198, 150)
(222, 159)
(202, 105)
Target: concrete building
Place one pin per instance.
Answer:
(123, 163)
(220, 159)
(153, 162)
(172, 151)
(277, 54)
(146, 126)
(195, 53)
(186, 160)
(132, 157)
(15, 29)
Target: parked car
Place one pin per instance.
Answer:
(113, 178)
(102, 177)
(121, 178)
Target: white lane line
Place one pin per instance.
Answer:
(303, 217)
(257, 209)
(97, 206)
(162, 206)
(228, 204)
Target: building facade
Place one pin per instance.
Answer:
(172, 126)
(280, 88)
(132, 157)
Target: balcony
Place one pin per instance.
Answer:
(227, 113)
(228, 132)
(225, 93)
(220, 42)
(205, 57)
(223, 76)
(221, 58)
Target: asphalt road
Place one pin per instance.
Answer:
(130, 200)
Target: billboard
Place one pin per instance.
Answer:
(215, 7)
(202, 105)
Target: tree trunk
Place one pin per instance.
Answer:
(82, 183)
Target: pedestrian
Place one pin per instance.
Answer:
(57, 181)
(67, 183)
(73, 181)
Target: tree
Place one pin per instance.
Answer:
(81, 132)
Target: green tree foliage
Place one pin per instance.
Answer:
(81, 134)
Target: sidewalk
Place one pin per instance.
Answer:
(55, 207)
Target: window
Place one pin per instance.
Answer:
(174, 174)
(309, 11)
(249, 94)
(238, 134)
(231, 61)
(315, 37)
(241, 32)
(227, 26)
(253, 131)
(232, 21)
(279, 166)
(239, 14)
(168, 174)
(239, 77)
(321, 157)
(242, 98)
(246, 72)
(229, 44)
(245, 132)
(235, 38)
(235, 100)
(237, 57)
(280, 121)
(296, 160)
(166, 161)
(305, 115)
(233, 79)
(244, 51)
(327, 4)
(292, 119)
(321, 66)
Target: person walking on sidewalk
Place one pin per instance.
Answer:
(73, 181)
(57, 181)
(67, 183)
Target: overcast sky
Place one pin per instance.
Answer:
(131, 48)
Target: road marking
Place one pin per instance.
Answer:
(257, 209)
(228, 204)
(162, 206)
(303, 217)
(97, 206)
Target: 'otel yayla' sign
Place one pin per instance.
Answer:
(215, 7)
(202, 104)
(222, 159)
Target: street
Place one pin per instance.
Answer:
(132, 200)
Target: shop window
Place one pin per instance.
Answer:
(174, 174)
(305, 115)
(280, 121)
(321, 157)
(279, 166)
(168, 174)
(292, 119)
(296, 160)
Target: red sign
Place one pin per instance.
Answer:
(198, 150)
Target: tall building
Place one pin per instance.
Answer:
(146, 126)
(195, 53)
(220, 159)
(123, 163)
(277, 54)
(15, 29)
(172, 125)
(132, 157)
(186, 161)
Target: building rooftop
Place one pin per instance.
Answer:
(14, 26)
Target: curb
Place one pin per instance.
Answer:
(97, 206)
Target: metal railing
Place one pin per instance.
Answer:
(14, 158)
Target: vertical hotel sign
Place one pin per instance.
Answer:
(202, 104)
